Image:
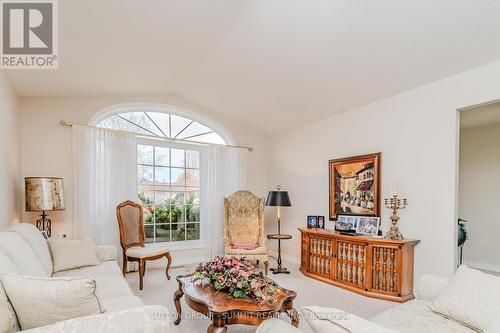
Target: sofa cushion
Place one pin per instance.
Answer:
(104, 268)
(121, 303)
(329, 320)
(36, 241)
(144, 252)
(44, 301)
(110, 286)
(416, 317)
(21, 254)
(472, 297)
(74, 253)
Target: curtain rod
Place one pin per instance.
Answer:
(70, 124)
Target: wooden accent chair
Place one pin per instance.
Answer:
(132, 239)
(244, 227)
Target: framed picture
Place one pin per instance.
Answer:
(368, 225)
(321, 222)
(354, 186)
(346, 223)
(312, 221)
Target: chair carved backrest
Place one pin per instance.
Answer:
(131, 224)
(244, 219)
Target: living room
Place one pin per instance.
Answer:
(249, 166)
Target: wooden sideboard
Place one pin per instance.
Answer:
(370, 266)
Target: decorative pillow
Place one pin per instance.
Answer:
(69, 254)
(8, 319)
(44, 301)
(36, 241)
(472, 297)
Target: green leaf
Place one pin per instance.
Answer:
(239, 293)
(218, 286)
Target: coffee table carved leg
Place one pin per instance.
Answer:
(177, 300)
(294, 316)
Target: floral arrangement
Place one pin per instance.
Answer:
(238, 277)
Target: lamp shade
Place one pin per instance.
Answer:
(278, 198)
(44, 193)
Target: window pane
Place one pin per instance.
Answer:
(162, 175)
(178, 158)
(142, 121)
(193, 196)
(178, 177)
(192, 159)
(192, 231)
(161, 120)
(192, 177)
(178, 232)
(178, 213)
(149, 231)
(145, 154)
(145, 174)
(162, 214)
(162, 233)
(115, 122)
(145, 195)
(192, 213)
(209, 138)
(148, 214)
(162, 156)
(177, 198)
(161, 197)
(178, 124)
(193, 130)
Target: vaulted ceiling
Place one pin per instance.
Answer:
(271, 64)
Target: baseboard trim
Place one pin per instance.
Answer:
(483, 266)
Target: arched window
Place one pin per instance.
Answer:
(169, 172)
(161, 124)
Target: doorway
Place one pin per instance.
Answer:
(479, 186)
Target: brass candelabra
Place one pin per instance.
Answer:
(395, 204)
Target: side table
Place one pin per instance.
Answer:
(279, 237)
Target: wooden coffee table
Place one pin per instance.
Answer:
(224, 309)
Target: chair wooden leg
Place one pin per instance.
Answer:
(144, 269)
(125, 263)
(169, 262)
(266, 265)
(141, 273)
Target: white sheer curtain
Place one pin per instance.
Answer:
(226, 172)
(104, 174)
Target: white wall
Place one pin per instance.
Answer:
(417, 133)
(478, 194)
(10, 184)
(46, 146)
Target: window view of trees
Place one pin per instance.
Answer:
(169, 190)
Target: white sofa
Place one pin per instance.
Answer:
(24, 251)
(411, 317)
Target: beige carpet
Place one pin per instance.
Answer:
(158, 290)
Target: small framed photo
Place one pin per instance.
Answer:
(346, 223)
(312, 221)
(368, 225)
(321, 222)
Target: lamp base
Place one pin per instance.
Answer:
(280, 270)
(44, 224)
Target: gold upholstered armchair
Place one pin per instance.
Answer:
(244, 227)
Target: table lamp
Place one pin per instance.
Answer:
(44, 194)
(279, 199)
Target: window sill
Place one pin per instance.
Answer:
(179, 246)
